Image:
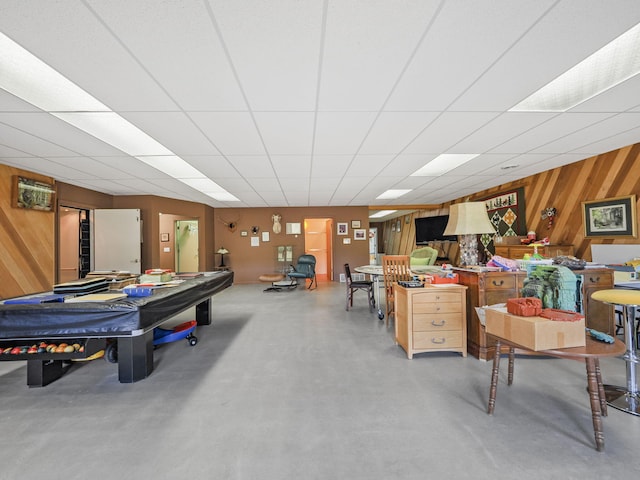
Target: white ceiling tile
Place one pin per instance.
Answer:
(172, 43)
(18, 140)
(233, 133)
(331, 166)
(555, 128)
(464, 39)
(286, 133)
(592, 133)
(52, 129)
(214, 166)
(562, 38)
(74, 42)
(254, 166)
(362, 44)
(368, 165)
(292, 165)
(178, 133)
(341, 133)
(392, 131)
(10, 103)
(447, 130)
(278, 67)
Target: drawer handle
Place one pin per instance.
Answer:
(441, 324)
(496, 284)
(438, 341)
(597, 280)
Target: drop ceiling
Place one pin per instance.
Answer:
(310, 102)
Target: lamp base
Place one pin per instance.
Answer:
(468, 249)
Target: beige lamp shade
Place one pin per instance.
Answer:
(468, 218)
(222, 251)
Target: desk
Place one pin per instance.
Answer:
(130, 320)
(590, 353)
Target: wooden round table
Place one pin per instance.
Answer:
(590, 353)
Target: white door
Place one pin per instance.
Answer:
(116, 240)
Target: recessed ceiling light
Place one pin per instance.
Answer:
(391, 194)
(444, 163)
(382, 213)
(612, 64)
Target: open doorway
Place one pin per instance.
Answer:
(186, 246)
(74, 246)
(318, 241)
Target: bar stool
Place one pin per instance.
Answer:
(625, 399)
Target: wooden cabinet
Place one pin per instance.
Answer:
(430, 319)
(598, 315)
(489, 288)
(486, 288)
(519, 251)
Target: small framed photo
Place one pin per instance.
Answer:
(360, 234)
(611, 217)
(265, 236)
(164, 237)
(355, 223)
(346, 241)
(343, 228)
(244, 233)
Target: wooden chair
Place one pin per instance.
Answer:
(355, 285)
(395, 268)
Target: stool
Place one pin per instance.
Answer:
(625, 399)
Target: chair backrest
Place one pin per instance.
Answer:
(347, 273)
(306, 264)
(395, 268)
(423, 256)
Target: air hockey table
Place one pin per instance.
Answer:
(129, 321)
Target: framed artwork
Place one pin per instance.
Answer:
(244, 233)
(355, 223)
(611, 217)
(33, 194)
(164, 237)
(343, 228)
(360, 234)
(506, 212)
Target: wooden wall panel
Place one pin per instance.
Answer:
(612, 174)
(26, 249)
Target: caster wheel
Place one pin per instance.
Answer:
(193, 341)
(111, 353)
(380, 315)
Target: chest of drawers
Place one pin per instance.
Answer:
(432, 318)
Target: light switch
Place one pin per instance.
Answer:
(167, 249)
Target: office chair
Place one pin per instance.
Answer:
(395, 268)
(305, 268)
(354, 286)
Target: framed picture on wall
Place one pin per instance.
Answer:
(33, 194)
(611, 217)
(343, 228)
(164, 237)
(355, 223)
(360, 234)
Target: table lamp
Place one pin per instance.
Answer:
(467, 220)
(222, 251)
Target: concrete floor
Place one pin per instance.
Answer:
(288, 385)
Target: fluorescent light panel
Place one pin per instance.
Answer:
(444, 163)
(30, 79)
(382, 213)
(391, 194)
(614, 63)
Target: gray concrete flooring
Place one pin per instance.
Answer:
(289, 385)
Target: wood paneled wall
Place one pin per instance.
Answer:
(26, 250)
(612, 174)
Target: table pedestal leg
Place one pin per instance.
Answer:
(627, 399)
